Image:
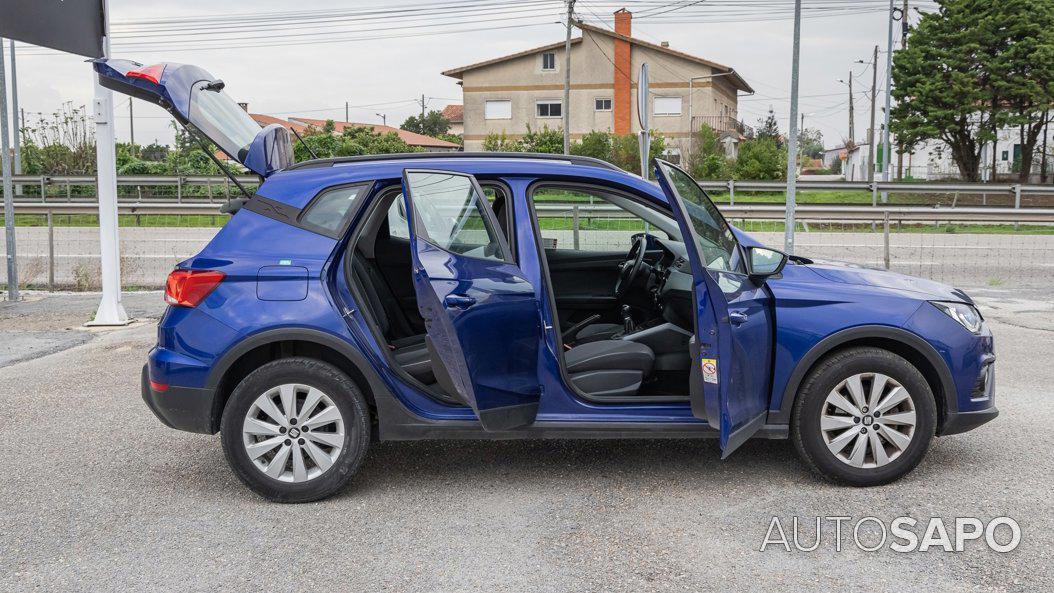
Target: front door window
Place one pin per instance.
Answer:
(717, 244)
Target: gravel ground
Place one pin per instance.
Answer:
(100, 496)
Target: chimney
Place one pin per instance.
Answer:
(623, 67)
(665, 44)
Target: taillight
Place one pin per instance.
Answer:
(187, 288)
(148, 73)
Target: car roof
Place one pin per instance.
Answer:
(297, 184)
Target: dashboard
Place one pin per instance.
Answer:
(671, 281)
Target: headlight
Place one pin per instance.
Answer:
(966, 315)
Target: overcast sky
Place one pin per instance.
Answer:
(385, 75)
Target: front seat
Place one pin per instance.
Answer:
(597, 331)
(609, 367)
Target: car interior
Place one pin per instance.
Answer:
(623, 342)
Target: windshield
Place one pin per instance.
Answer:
(717, 244)
(222, 120)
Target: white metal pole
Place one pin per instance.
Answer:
(111, 311)
(889, 94)
(9, 204)
(792, 136)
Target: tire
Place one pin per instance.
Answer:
(328, 457)
(820, 446)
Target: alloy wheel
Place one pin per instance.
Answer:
(868, 420)
(293, 433)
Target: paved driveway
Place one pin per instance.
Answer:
(98, 496)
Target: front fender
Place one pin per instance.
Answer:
(865, 333)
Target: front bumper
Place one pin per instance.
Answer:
(182, 408)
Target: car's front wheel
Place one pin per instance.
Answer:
(295, 430)
(863, 417)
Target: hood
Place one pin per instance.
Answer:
(848, 273)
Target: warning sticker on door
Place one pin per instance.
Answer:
(709, 370)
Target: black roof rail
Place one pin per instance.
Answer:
(573, 159)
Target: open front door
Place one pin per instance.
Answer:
(481, 314)
(733, 329)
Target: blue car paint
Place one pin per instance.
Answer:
(808, 305)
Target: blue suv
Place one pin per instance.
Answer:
(425, 296)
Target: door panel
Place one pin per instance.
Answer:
(734, 321)
(584, 283)
(481, 314)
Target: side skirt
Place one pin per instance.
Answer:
(398, 424)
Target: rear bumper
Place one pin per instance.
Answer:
(182, 408)
(958, 422)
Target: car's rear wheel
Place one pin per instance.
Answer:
(863, 417)
(295, 430)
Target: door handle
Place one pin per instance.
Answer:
(737, 318)
(459, 301)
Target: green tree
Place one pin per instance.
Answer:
(972, 68)
(708, 161)
(761, 159)
(593, 144)
(811, 143)
(501, 143)
(153, 152)
(432, 124)
(546, 140)
(625, 151)
(769, 128)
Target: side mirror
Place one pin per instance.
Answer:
(763, 262)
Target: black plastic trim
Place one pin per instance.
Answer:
(273, 209)
(742, 434)
(960, 422)
(830, 343)
(182, 408)
(377, 387)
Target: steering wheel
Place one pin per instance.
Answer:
(631, 268)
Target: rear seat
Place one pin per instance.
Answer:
(408, 349)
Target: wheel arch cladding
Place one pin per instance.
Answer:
(259, 349)
(898, 341)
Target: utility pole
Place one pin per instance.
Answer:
(565, 109)
(903, 45)
(792, 136)
(801, 148)
(422, 108)
(131, 125)
(347, 116)
(9, 204)
(1043, 161)
(384, 119)
(871, 130)
(851, 126)
(889, 96)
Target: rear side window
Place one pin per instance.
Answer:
(328, 212)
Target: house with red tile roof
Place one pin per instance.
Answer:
(455, 114)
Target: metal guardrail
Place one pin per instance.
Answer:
(803, 184)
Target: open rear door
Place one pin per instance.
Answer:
(194, 97)
(481, 314)
(733, 329)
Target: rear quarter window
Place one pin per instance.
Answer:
(328, 213)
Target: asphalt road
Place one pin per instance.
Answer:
(99, 496)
